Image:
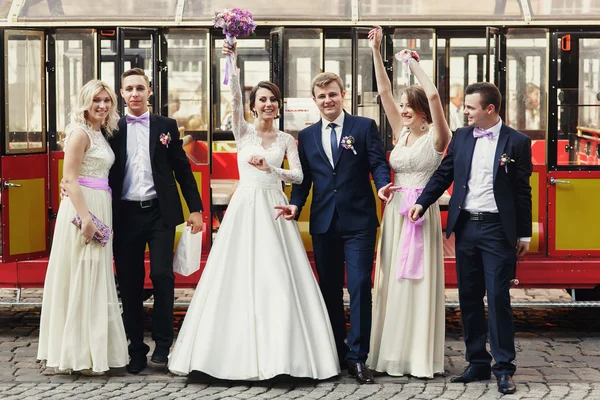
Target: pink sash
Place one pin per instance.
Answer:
(95, 183)
(410, 252)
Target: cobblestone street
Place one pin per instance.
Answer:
(558, 357)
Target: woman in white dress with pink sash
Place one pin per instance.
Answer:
(408, 333)
(81, 327)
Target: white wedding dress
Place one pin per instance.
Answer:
(257, 311)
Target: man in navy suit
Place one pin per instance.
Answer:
(338, 155)
(490, 214)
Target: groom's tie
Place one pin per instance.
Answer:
(335, 146)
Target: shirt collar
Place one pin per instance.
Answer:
(339, 121)
(496, 128)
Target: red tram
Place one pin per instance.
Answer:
(542, 55)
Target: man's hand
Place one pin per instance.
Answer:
(288, 212)
(386, 193)
(522, 248)
(195, 221)
(414, 213)
(63, 189)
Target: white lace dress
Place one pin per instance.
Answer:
(257, 311)
(81, 326)
(407, 336)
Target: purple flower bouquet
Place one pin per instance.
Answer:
(235, 23)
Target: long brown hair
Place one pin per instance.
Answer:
(416, 97)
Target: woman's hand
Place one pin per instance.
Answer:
(88, 229)
(229, 50)
(375, 37)
(259, 163)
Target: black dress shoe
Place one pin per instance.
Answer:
(506, 384)
(160, 356)
(137, 364)
(360, 371)
(472, 374)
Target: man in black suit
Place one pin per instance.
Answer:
(490, 214)
(146, 209)
(339, 154)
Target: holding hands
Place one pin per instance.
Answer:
(414, 213)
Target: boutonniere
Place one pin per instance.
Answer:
(348, 143)
(165, 139)
(505, 160)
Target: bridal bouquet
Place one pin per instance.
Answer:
(407, 56)
(235, 23)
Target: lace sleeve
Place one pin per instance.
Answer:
(240, 126)
(294, 174)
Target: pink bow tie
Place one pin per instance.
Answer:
(478, 132)
(132, 119)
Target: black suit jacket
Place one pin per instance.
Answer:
(346, 187)
(512, 190)
(168, 163)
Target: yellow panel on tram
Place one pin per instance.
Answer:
(27, 207)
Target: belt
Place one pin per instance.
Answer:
(141, 203)
(482, 216)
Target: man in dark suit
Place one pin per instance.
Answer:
(490, 214)
(338, 154)
(146, 209)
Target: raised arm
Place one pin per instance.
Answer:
(294, 174)
(384, 86)
(240, 126)
(441, 133)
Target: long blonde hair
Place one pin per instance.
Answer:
(85, 99)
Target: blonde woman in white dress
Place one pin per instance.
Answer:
(81, 327)
(408, 332)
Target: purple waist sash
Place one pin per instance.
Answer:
(410, 253)
(95, 183)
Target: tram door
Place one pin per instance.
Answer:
(24, 159)
(574, 144)
(140, 48)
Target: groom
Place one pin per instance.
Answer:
(146, 210)
(490, 214)
(338, 154)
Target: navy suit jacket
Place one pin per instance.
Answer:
(346, 187)
(168, 163)
(512, 190)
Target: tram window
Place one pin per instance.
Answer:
(188, 89)
(525, 82)
(74, 67)
(25, 89)
(253, 61)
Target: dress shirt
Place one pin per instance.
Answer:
(326, 134)
(138, 184)
(480, 187)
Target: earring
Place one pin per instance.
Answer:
(254, 114)
(423, 127)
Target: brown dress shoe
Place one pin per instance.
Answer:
(360, 371)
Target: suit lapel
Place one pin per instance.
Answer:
(348, 124)
(502, 139)
(122, 145)
(470, 142)
(154, 131)
(317, 128)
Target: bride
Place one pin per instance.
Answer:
(257, 311)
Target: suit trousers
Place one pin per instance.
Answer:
(136, 228)
(357, 250)
(485, 262)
